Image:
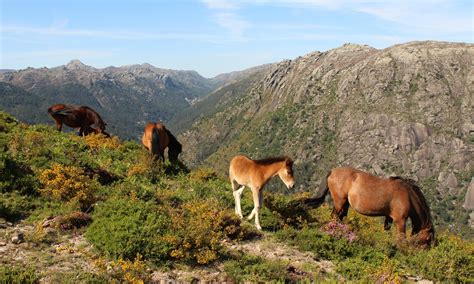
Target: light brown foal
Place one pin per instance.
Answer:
(254, 175)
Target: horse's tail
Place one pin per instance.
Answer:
(155, 142)
(317, 200)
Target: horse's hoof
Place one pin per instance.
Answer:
(259, 228)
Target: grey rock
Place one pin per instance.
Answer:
(17, 238)
(469, 198)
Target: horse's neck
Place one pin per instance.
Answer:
(271, 170)
(421, 216)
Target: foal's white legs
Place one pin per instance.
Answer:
(257, 203)
(237, 195)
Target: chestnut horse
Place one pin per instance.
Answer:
(156, 138)
(395, 198)
(81, 117)
(254, 175)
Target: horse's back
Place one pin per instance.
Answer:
(239, 162)
(153, 132)
(239, 168)
(58, 108)
(367, 194)
(342, 177)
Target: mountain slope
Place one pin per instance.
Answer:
(232, 86)
(126, 97)
(405, 110)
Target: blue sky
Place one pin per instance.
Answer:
(214, 36)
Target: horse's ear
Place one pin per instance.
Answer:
(289, 162)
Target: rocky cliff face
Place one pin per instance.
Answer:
(406, 110)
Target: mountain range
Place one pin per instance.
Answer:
(404, 110)
(126, 97)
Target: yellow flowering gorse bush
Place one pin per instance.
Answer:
(69, 184)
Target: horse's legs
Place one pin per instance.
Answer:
(388, 223)
(237, 195)
(162, 155)
(401, 227)
(257, 203)
(59, 124)
(341, 207)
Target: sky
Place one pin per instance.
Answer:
(214, 36)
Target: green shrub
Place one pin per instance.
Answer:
(11, 274)
(14, 206)
(7, 122)
(450, 260)
(254, 269)
(126, 227)
(199, 226)
(162, 230)
(16, 177)
(323, 245)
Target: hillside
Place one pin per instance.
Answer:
(232, 86)
(126, 97)
(96, 209)
(405, 110)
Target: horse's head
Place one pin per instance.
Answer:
(174, 151)
(100, 126)
(286, 173)
(425, 237)
(174, 148)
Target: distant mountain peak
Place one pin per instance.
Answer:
(76, 64)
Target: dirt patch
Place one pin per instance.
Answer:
(303, 263)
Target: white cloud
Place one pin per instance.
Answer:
(231, 22)
(431, 16)
(226, 16)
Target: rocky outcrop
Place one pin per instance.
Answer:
(405, 110)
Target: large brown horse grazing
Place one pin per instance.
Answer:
(395, 198)
(254, 175)
(156, 138)
(82, 117)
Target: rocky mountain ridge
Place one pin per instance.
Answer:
(405, 110)
(127, 96)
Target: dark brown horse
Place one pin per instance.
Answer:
(82, 117)
(254, 175)
(157, 138)
(395, 198)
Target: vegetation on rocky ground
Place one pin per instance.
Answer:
(138, 216)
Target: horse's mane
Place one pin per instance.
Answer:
(417, 196)
(268, 161)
